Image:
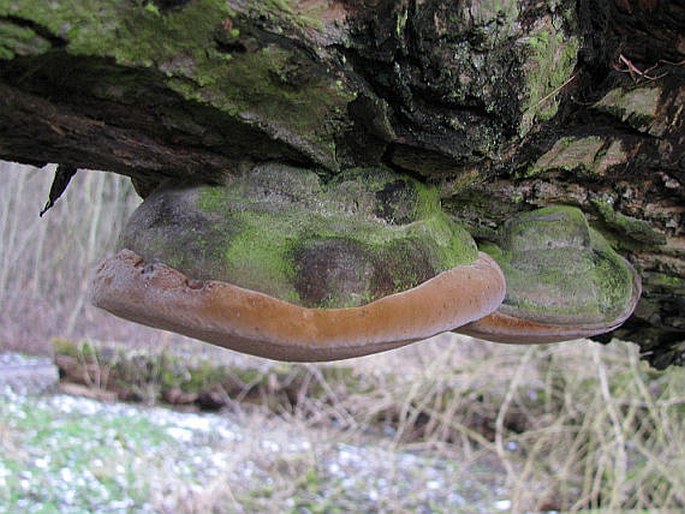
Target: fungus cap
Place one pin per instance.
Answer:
(226, 315)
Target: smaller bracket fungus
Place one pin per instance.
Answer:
(564, 281)
(279, 264)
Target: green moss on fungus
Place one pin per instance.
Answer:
(282, 231)
(559, 270)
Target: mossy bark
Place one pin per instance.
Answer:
(505, 106)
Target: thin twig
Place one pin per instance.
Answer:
(625, 65)
(556, 90)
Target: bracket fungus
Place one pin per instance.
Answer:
(564, 281)
(279, 264)
(252, 322)
(282, 264)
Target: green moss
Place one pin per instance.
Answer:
(614, 278)
(324, 211)
(261, 255)
(282, 231)
(67, 347)
(257, 87)
(258, 84)
(401, 23)
(428, 201)
(589, 155)
(203, 376)
(281, 5)
(499, 12)
(663, 281)
(630, 230)
(570, 154)
(260, 252)
(211, 199)
(301, 14)
(20, 41)
(454, 244)
(637, 106)
(552, 56)
(151, 7)
(613, 155)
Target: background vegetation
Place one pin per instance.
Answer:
(573, 427)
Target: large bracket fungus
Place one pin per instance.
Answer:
(281, 263)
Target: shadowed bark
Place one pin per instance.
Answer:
(504, 106)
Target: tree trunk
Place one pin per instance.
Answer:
(505, 106)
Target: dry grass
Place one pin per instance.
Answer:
(572, 427)
(575, 426)
(560, 427)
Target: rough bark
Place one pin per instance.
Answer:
(505, 106)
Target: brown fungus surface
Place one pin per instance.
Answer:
(251, 322)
